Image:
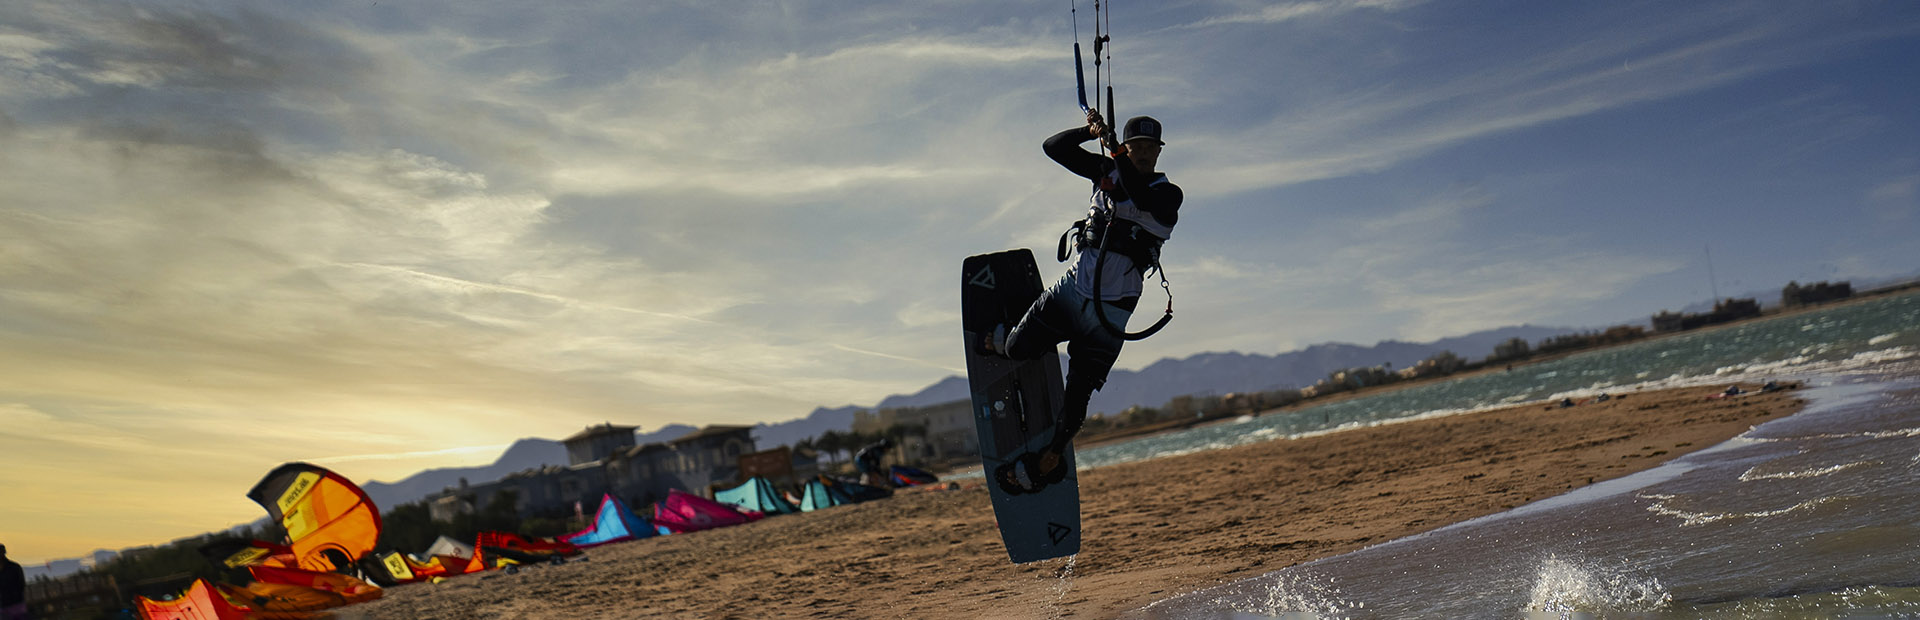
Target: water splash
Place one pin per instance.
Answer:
(1299, 595)
(1567, 588)
(1062, 584)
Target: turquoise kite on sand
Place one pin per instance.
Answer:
(757, 495)
(613, 523)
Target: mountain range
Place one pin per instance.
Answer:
(1152, 386)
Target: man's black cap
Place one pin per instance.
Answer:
(1142, 127)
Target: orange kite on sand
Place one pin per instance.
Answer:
(330, 522)
(330, 525)
(295, 595)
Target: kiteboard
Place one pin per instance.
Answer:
(1015, 403)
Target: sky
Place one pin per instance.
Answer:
(385, 237)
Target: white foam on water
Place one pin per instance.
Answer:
(1664, 505)
(1866, 358)
(1881, 339)
(1569, 588)
(1754, 473)
(1805, 364)
(1904, 433)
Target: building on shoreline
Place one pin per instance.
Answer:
(1725, 311)
(1794, 295)
(950, 432)
(605, 460)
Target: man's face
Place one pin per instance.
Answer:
(1145, 152)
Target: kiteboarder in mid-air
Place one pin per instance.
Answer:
(1133, 211)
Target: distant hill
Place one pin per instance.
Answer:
(820, 420)
(523, 454)
(941, 392)
(1204, 373)
(1152, 386)
(767, 436)
(666, 433)
(1223, 373)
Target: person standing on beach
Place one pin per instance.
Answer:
(1133, 211)
(13, 588)
(867, 460)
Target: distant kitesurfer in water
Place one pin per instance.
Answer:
(1133, 211)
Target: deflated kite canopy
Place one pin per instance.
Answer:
(201, 601)
(234, 553)
(683, 512)
(330, 522)
(350, 590)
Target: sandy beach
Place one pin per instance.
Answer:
(1153, 529)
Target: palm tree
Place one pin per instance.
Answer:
(898, 434)
(830, 442)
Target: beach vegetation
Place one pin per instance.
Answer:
(1512, 349)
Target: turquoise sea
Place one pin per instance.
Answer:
(1816, 515)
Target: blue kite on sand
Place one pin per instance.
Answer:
(613, 523)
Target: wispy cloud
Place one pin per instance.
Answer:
(945, 367)
(472, 286)
(1375, 129)
(1281, 12)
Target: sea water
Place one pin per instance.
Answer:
(1816, 515)
(1804, 344)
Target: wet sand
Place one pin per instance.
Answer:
(1152, 529)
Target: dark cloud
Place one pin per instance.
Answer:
(173, 48)
(141, 73)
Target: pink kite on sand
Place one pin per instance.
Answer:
(683, 512)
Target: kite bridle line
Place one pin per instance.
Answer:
(1109, 143)
(1102, 58)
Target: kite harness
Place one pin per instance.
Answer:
(1101, 229)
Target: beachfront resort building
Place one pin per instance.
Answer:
(605, 459)
(949, 430)
(1725, 311)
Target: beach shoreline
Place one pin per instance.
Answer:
(1152, 529)
(1771, 313)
